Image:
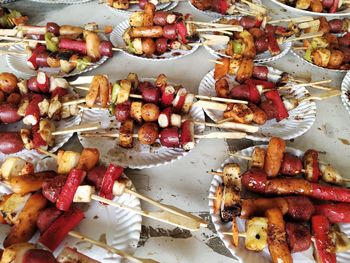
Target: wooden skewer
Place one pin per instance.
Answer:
(52, 155)
(227, 28)
(305, 36)
(164, 216)
(231, 125)
(80, 128)
(330, 94)
(261, 9)
(300, 48)
(293, 19)
(212, 135)
(167, 208)
(306, 84)
(212, 24)
(309, 24)
(110, 248)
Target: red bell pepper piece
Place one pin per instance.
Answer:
(60, 92)
(33, 109)
(182, 31)
(111, 175)
(65, 199)
(265, 83)
(323, 241)
(221, 6)
(336, 213)
(316, 173)
(330, 193)
(254, 95)
(270, 29)
(273, 46)
(58, 230)
(334, 7)
(32, 59)
(274, 96)
(38, 141)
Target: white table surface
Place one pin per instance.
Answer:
(185, 183)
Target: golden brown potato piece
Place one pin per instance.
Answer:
(26, 225)
(249, 50)
(276, 237)
(258, 158)
(245, 70)
(221, 68)
(321, 57)
(222, 88)
(336, 59)
(88, 159)
(8, 82)
(150, 112)
(259, 116)
(239, 113)
(148, 133)
(316, 6)
(303, 4)
(126, 132)
(274, 156)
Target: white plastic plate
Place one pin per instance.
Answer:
(120, 228)
(299, 121)
(140, 156)
(345, 92)
(116, 38)
(244, 255)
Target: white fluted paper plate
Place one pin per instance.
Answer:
(140, 156)
(299, 121)
(133, 8)
(118, 227)
(212, 13)
(67, 2)
(345, 92)
(60, 140)
(19, 64)
(301, 12)
(116, 38)
(244, 255)
(218, 50)
(300, 55)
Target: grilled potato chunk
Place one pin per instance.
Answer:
(239, 112)
(67, 160)
(256, 233)
(258, 158)
(15, 166)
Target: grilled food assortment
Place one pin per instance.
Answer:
(257, 85)
(11, 18)
(318, 6)
(256, 38)
(332, 49)
(63, 47)
(156, 32)
(288, 215)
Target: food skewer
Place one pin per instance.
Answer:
(171, 215)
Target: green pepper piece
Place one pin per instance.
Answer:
(313, 44)
(83, 63)
(307, 55)
(130, 47)
(51, 44)
(111, 109)
(115, 92)
(237, 47)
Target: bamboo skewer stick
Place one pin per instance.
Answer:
(305, 36)
(306, 84)
(259, 8)
(167, 208)
(212, 135)
(110, 248)
(293, 19)
(327, 95)
(190, 220)
(165, 217)
(79, 128)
